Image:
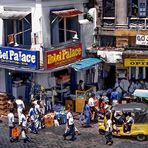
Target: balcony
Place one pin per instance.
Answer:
(138, 23)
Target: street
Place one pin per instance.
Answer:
(52, 138)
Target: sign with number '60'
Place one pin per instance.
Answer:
(141, 39)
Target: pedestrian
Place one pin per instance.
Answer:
(32, 117)
(11, 124)
(70, 125)
(91, 103)
(108, 130)
(87, 114)
(38, 114)
(24, 127)
(80, 86)
(115, 96)
(20, 107)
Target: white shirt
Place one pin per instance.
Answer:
(10, 119)
(32, 114)
(23, 120)
(20, 104)
(130, 120)
(70, 118)
(37, 109)
(91, 102)
(109, 126)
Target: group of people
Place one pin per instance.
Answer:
(124, 86)
(93, 109)
(27, 120)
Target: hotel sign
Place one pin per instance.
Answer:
(19, 57)
(135, 62)
(63, 56)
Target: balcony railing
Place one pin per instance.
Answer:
(133, 23)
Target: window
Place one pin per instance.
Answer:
(142, 8)
(109, 8)
(19, 30)
(63, 28)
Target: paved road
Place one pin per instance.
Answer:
(52, 138)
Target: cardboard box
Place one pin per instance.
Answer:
(49, 120)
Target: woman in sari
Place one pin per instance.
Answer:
(87, 114)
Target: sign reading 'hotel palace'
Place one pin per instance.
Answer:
(63, 56)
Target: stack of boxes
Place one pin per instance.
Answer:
(49, 119)
(3, 104)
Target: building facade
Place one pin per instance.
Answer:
(120, 26)
(40, 40)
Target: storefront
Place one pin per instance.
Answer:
(137, 63)
(110, 69)
(17, 67)
(57, 63)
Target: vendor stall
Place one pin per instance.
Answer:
(81, 96)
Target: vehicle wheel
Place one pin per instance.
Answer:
(141, 137)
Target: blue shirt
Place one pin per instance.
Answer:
(115, 95)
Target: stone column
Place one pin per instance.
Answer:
(1, 28)
(121, 13)
(2, 32)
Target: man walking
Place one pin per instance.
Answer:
(24, 126)
(11, 124)
(108, 133)
(20, 107)
(70, 124)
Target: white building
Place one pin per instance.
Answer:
(41, 38)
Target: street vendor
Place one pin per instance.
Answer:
(80, 85)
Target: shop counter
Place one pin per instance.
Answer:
(81, 96)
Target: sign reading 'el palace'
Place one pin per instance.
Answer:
(63, 56)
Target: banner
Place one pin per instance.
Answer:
(63, 56)
(19, 57)
(136, 62)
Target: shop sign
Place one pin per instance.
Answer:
(141, 39)
(19, 57)
(136, 62)
(63, 56)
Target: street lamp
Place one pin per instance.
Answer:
(14, 36)
(75, 37)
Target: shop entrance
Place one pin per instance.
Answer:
(19, 84)
(146, 75)
(110, 79)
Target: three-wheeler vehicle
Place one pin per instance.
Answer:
(139, 129)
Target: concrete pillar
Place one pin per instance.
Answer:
(1, 28)
(2, 32)
(2, 80)
(121, 13)
(46, 34)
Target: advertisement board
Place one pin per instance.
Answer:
(133, 62)
(62, 56)
(19, 57)
(141, 39)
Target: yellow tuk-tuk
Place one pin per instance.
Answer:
(138, 129)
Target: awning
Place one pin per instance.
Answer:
(13, 14)
(67, 13)
(85, 63)
(141, 93)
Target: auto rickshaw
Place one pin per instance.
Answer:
(139, 128)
